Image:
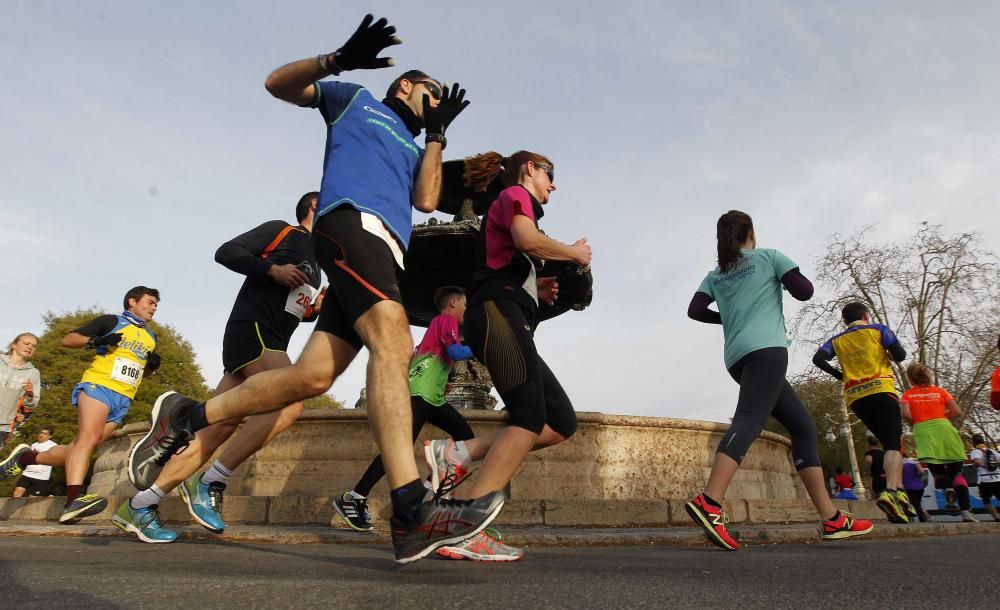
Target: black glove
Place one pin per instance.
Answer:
(362, 48)
(436, 120)
(152, 362)
(110, 340)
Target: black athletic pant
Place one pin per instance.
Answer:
(944, 478)
(445, 417)
(764, 391)
(881, 415)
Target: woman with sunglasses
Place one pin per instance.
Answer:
(747, 285)
(499, 327)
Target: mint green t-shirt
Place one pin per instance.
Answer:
(749, 299)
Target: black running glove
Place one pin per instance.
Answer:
(112, 340)
(436, 120)
(152, 362)
(362, 48)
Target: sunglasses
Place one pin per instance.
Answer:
(433, 88)
(549, 171)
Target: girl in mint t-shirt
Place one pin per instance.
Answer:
(747, 286)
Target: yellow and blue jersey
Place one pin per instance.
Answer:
(861, 351)
(119, 368)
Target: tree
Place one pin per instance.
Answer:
(940, 295)
(62, 368)
(323, 401)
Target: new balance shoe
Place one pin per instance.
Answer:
(204, 502)
(443, 522)
(168, 434)
(353, 509)
(9, 468)
(143, 522)
(444, 472)
(484, 546)
(712, 521)
(84, 506)
(894, 512)
(844, 525)
(903, 501)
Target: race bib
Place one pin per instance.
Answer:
(299, 300)
(127, 371)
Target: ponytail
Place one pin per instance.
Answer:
(484, 168)
(731, 231)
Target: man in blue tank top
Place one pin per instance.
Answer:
(374, 173)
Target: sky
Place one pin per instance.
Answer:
(136, 137)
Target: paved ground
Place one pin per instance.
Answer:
(103, 572)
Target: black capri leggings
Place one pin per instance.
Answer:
(881, 415)
(445, 418)
(764, 391)
(500, 336)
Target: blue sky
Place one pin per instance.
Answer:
(137, 137)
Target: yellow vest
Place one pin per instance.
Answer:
(119, 368)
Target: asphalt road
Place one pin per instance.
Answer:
(119, 573)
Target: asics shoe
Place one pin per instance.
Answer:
(903, 502)
(712, 521)
(204, 502)
(444, 472)
(894, 512)
(844, 525)
(443, 522)
(168, 434)
(84, 506)
(353, 509)
(484, 546)
(9, 468)
(143, 522)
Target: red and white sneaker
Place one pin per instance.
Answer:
(713, 521)
(444, 471)
(844, 525)
(484, 546)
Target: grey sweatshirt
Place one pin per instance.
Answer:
(11, 388)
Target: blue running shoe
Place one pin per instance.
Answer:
(204, 502)
(143, 522)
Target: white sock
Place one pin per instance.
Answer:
(145, 499)
(216, 474)
(458, 454)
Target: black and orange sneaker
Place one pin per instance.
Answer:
(844, 525)
(712, 521)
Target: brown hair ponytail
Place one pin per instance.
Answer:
(483, 169)
(731, 231)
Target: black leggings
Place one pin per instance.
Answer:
(881, 415)
(944, 478)
(445, 418)
(764, 391)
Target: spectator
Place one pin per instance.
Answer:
(35, 479)
(914, 477)
(987, 461)
(19, 382)
(845, 485)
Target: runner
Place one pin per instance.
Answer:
(374, 173)
(429, 371)
(500, 327)
(35, 480)
(281, 289)
(928, 408)
(124, 355)
(20, 383)
(747, 285)
(863, 351)
(987, 463)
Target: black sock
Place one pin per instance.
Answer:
(73, 492)
(406, 501)
(28, 458)
(710, 501)
(196, 417)
(836, 514)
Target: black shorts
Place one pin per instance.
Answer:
(245, 343)
(500, 336)
(989, 490)
(881, 415)
(33, 486)
(360, 268)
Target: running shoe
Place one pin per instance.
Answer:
(712, 521)
(143, 522)
(204, 502)
(484, 546)
(84, 506)
(951, 503)
(444, 472)
(903, 501)
(168, 433)
(9, 468)
(887, 504)
(844, 525)
(443, 522)
(353, 509)
(967, 516)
